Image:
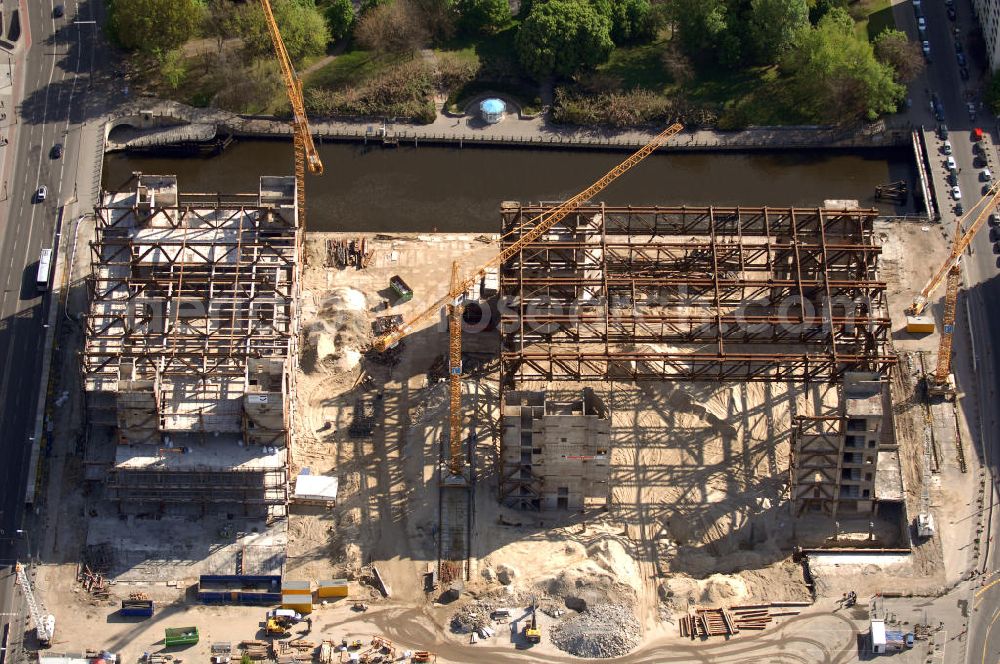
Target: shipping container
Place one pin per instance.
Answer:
(403, 292)
(300, 603)
(333, 588)
(296, 587)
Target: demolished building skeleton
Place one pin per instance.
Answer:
(190, 340)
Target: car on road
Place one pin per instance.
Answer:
(925, 46)
(42, 192)
(950, 164)
(964, 73)
(58, 11)
(956, 193)
(961, 59)
(946, 147)
(972, 110)
(56, 151)
(942, 130)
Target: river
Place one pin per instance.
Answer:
(460, 189)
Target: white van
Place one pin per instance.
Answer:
(44, 270)
(287, 614)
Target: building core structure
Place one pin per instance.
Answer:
(190, 343)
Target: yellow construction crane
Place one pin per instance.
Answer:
(453, 299)
(305, 150)
(916, 322)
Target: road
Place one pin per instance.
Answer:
(977, 367)
(54, 96)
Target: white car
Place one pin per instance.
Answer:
(956, 193)
(42, 192)
(950, 164)
(921, 22)
(946, 147)
(926, 47)
(916, 3)
(986, 176)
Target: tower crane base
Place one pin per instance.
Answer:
(944, 389)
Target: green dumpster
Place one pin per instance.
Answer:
(180, 636)
(399, 287)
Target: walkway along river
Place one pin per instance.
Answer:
(423, 189)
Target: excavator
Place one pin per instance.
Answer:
(530, 231)
(532, 634)
(942, 382)
(306, 154)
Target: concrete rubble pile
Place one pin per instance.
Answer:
(603, 630)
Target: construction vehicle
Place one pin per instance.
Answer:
(277, 627)
(942, 382)
(45, 623)
(532, 633)
(532, 230)
(306, 154)
(423, 656)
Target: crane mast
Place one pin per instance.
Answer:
(456, 462)
(542, 223)
(306, 155)
(44, 622)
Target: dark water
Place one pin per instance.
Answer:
(452, 189)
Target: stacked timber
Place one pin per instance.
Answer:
(255, 649)
(729, 622)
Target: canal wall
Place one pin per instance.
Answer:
(161, 122)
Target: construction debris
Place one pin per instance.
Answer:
(345, 253)
(728, 622)
(603, 630)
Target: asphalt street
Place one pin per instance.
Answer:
(53, 97)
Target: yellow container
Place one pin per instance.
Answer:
(333, 588)
(919, 324)
(296, 588)
(300, 603)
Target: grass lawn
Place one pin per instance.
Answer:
(639, 67)
(351, 68)
(872, 17)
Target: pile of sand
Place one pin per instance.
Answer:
(335, 339)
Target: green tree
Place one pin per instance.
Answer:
(483, 15)
(895, 49)
(339, 18)
(562, 37)
(631, 20)
(154, 26)
(173, 69)
(702, 23)
(834, 76)
(775, 26)
(302, 26)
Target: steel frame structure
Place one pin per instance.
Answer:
(693, 293)
(189, 292)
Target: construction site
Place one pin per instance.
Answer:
(600, 430)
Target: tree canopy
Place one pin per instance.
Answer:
(631, 20)
(303, 28)
(339, 17)
(775, 26)
(483, 15)
(562, 37)
(895, 49)
(835, 76)
(392, 28)
(154, 26)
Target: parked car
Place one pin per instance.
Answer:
(964, 73)
(959, 209)
(972, 110)
(985, 175)
(952, 178)
(956, 193)
(925, 46)
(961, 59)
(946, 147)
(995, 235)
(923, 33)
(992, 219)
(921, 22)
(958, 46)
(916, 3)
(950, 164)
(952, 14)
(938, 112)
(942, 130)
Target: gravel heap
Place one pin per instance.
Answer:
(603, 630)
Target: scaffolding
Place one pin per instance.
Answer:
(693, 293)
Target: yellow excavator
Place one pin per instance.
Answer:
(532, 634)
